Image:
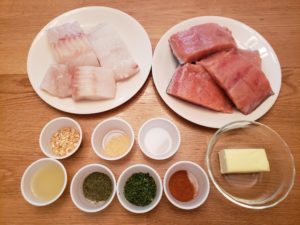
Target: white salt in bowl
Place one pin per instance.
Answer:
(76, 188)
(28, 176)
(137, 168)
(201, 177)
(159, 138)
(50, 128)
(108, 129)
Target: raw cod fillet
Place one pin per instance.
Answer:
(70, 45)
(93, 83)
(57, 81)
(112, 52)
(245, 83)
(200, 41)
(192, 83)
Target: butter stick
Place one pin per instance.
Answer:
(243, 161)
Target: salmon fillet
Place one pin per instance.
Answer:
(192, 83)
(243, 81)
(200, 41)
(251, 56)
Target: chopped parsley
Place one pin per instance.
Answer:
(140, 189)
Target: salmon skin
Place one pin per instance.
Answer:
(242, 80)
(200, 41)
(192, 83)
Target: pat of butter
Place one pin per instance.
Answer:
(243, 161)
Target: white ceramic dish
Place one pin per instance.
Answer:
(50, 128)
(107, 128)
(159, 138)
(28, 175)
(132, 32)
(122, 181)
(164, 65)
(202, 180)
(76, 191)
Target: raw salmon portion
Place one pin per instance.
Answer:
(245, 83)
(57, 81)
(251, 56)
(93, 83)
(193, 84)
(70, 45)
(200, 41)
(112, 51)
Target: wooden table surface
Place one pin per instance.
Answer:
(23, 113)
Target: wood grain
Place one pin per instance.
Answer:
(23, 113)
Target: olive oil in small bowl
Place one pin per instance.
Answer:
(43, 182)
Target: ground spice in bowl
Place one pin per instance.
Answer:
(183, 186)
(140, 189)
(97, 187)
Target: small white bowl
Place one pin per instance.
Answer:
(28, 175)
(76, 191)
(202, 179)
(122, 181)
(159, 138)
(107, 128)
(50, 128)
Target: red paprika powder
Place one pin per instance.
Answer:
(181, 187)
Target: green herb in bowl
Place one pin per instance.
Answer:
(140, 189)
(97, 187)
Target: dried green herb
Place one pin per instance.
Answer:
(140, 189)
(97, 187)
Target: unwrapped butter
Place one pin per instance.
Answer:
(243, 161)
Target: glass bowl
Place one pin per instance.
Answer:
(252, 190)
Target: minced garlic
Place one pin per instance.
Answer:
(116, 145)
(64, 140)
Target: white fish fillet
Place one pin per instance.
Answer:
(93, 83)
(112, 52)
(57, 81)
(70, 45)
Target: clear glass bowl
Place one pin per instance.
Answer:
(252, 190)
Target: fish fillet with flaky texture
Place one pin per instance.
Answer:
(112, 51)
(70, 45)
(93, 83)
(57, 81)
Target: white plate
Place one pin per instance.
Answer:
(164, 65)
(132, 32)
